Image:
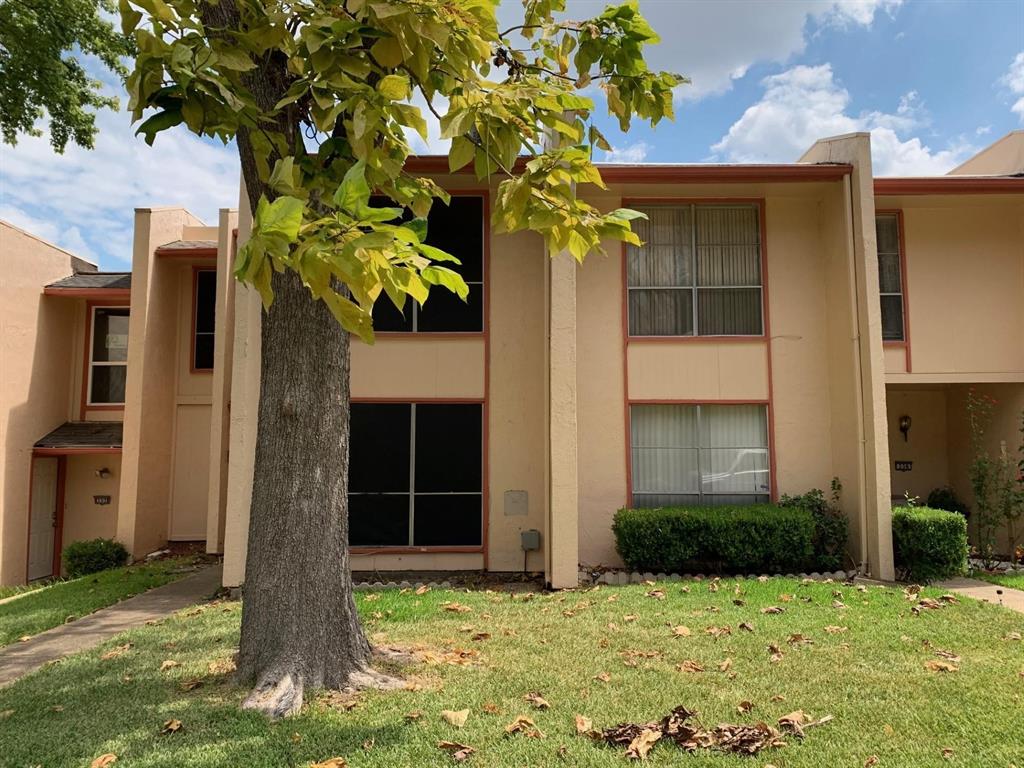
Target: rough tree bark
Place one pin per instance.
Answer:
(300, 629)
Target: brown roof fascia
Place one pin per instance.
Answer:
(950, 185)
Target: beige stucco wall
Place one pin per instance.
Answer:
(153, 376)
(412, 367)
(35, 354)
(965, 286)
(83, 518)
(927, 442)
(1002, 158)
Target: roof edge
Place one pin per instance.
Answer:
(950, 185)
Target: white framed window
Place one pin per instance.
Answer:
(416, 475)
(108, 355)
(890, 276)
(702, 455)
(697, 272)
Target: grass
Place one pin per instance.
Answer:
(1013, 580)
(18, 589)
(871, 678)
(54, 603)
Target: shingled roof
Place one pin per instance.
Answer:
(184, 247)
(96, 280)
(84, 434)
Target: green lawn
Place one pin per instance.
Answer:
(871, 677)
(1015, 580)
(18, 589)
(55, 603)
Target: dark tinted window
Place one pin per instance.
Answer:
(445, 460)
(205, 309)
(457, 228)
(108, 366)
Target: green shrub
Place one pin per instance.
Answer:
(85, 557)
(831, 528)
(946, 498)
(761, 538)
(929, 544)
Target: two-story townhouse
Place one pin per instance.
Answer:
(774, 331)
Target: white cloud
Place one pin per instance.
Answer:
(84, 199)
(804, 104)
(633, 153)
(715, 43)
(1014, 80)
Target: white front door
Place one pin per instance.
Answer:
(43, 518)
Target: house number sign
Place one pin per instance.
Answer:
(904, 466)
(101, 500)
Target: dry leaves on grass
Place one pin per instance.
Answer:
(689, 665)
(168, 664)
(775, 654)
(681, 631)
(524, 725)
(773, 610)
(190, 685)
(459, 752)
(221, 666)
(937, 665)
(717, 632)
(113, 653)
(171, 726)
(832, 629)
(104, 760)
(725, 665)
(604, 677)
(331, 762)
(947, 655)
(744, 707)
(455, 607)
(1013, 636)
(455, 717)
(746, 626)
(795, 722)
(537, 700)
(798, 639)
(657, 594)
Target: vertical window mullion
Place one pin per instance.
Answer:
(412, 469)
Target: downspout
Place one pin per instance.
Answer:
(862, 481)
(548, 517)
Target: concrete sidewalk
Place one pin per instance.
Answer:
(983, 590)
(19, 659)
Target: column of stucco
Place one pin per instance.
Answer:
(563, 488)
(859, 355)
(242, 412)
(223, 344)
(149, 398)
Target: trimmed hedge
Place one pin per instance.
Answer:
(929, 544)
(831, 528)
(761, 538)
(84, 557)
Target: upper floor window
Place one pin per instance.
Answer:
(698, 272)
(457, 228)
(699, 454)
(108, 355)
(890, 276)
(204, 309)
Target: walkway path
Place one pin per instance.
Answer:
(19, 659)
(983, 590)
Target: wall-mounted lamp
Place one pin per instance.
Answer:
(904, 426)
(103, 473)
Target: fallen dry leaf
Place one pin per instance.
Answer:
(798, 639)
(457, 718)
(725, 665)
(744, 706)
(481, 636)
(871, 761)
(630, 617)
(718, 631)
(947, 655)
(221, 666)
(657, 594)
(681, 631)
(524, 725)
(948, 753)
(537, 700)
(689, 665)
(832, 629)
(171, 726)
(104, 760)
(190, 685)
(746, 626)
(115, 652)
(456, 607)
(459, 752)
(491, 708)
(333, 762)
(935, 665)
(773, 609)
(368, 744)
(168, 664)
(414, 715)
(1014, 636)
(642, 744)
(584, 725)
(422, 590)
(604, 677)
(778, 697)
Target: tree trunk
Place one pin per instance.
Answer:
(300, 629)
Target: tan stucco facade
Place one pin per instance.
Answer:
(556, 372)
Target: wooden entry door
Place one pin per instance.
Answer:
(43, 517)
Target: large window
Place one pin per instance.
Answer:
(890, 276)
(108, 356)
(698, 272)
(457, 228)
(699, 454)
(205, 310)
(416, 475)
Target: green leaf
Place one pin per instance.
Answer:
(161, 121)
(282, 217)
(461, 153)
(394, 87)
(387, 52)
(448, 278)
(353, 191)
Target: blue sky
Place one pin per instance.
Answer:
(933, 81)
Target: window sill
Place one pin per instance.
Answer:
(698, 339)
(404, 550)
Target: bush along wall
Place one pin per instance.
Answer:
(84, 557)
(929, 544)
(762, 538)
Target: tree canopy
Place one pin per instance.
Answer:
(350, 81)
(42, 75)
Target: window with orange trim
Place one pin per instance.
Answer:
(203, 320)
(108, 356)
(890, 276)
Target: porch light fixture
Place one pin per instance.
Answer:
(103, 473)
(904, 426)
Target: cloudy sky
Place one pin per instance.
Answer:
(934, 81)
